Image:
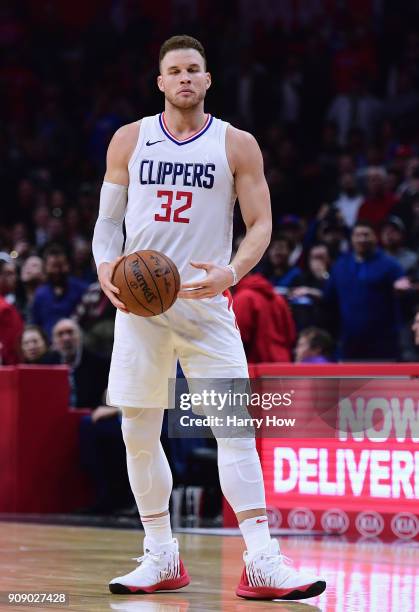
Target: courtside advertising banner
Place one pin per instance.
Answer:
(339, 455)
(362, 480)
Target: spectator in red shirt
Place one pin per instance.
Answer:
(265, 321)
(378, 202)
(11, 327)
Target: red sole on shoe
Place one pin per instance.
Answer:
(166, 585)
(302, 592)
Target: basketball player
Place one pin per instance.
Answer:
(174, 178)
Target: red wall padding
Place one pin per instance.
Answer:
(39, 442)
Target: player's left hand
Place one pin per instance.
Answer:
(218, 279)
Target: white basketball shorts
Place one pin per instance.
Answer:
(202, 334)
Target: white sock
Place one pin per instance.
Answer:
(158, 528)
(255, 532)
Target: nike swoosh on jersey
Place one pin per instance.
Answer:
(149, 144)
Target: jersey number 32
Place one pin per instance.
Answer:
(167, 198)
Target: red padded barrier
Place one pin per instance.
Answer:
(39, 442)
(336, 369)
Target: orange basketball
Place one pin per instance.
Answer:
(148, 282)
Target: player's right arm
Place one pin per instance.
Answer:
(108, 236)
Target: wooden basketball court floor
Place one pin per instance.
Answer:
(366, 576)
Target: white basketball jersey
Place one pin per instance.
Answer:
(181, 195)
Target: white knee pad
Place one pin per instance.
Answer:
(241, 454)
(240, 472)
(148, 469)
(238, 444)
(141, 432)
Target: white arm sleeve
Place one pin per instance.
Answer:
(108, 236)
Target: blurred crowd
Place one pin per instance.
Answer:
(331, 91)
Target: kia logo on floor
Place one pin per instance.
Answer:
(369, 523)
(405, 525)
(335, 521)
(302, 519)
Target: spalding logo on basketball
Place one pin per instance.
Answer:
(148, 282)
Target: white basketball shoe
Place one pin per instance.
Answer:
(160, 569)
(269, 575)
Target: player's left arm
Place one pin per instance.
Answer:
(246, 163)
(252, 191)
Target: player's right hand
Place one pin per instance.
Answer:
(105, 273)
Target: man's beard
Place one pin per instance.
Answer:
(366, 251)
(59, 280)
(186, 103)
(69, 354)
